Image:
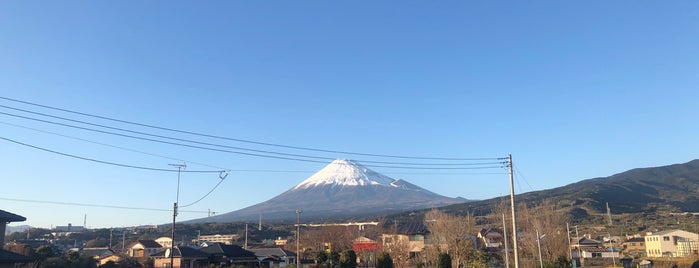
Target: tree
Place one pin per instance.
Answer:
(321, 257)
(550, 223)
(384, 260)
(348, 259)
(444, 261)
(97, 242)
(452, 234)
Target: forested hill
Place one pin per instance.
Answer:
(673, 188)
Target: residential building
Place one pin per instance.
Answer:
(164, 241)
(366, 250)
(412, 234)
(9, 258)
(672, 243)
(227, 239)
(183, 256)
(63, 231)
(143, 248)
(491, 238)
(274, 257)
(635, 246)
(230, 255)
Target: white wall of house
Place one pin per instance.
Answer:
(666, 243)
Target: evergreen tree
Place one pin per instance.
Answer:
(348, 259)
(384, 260)
(444, 261)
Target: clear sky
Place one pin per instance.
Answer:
(572, 89)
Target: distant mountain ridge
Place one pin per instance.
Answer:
(671, 188)
(342, 189)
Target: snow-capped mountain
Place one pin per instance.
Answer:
(343, 188)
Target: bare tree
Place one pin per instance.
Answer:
(452, 234)
(550, 223)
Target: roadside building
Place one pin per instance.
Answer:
(672, 243)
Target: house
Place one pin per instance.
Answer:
(491, 238)
(411, 234)
(141, 249)
(63, 231)
(273, 257)
(596, 256)
(634, 246)
(97, 253)
(9, 258)
(230, 255)
(672, 243)
(164, 241)
(366, 250)
(182, 256)
(227, 239)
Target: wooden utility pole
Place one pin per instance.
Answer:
(512, 207)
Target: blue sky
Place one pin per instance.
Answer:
(573, 90)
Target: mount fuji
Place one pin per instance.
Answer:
(342, 189)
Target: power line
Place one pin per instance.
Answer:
(242, 140)
(487, 165)
(94, 205)
(107, 162)
(113, 146)
(285, 155)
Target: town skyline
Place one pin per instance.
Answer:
(571, 90)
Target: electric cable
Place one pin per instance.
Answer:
(199, 142)
(112, 146)
(242, 140)
(94, 205)
(486, 165)
(107, 162)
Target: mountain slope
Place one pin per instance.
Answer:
(665, 188)
(344, 188)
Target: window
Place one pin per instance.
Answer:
(597, 254)
(666, 238)
(416, 238)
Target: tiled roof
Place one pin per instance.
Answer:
(149, 243)
(412, 228)
(267, 252)
(10, 217)
(228, 250)
(636, 239)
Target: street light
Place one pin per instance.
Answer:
(538, 244)
(298, 229)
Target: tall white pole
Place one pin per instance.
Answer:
(538, 245)
(570, 248)
(512, 207)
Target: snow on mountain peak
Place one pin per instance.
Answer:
(343, 172)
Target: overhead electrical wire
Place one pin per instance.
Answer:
(486, 165)
(285, 155)
(230, 169)
(107, 162)
(95, 205)
(114, 146)
(243, 140)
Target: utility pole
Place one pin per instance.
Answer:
(570, 248)
(298, 230)
(512, 207)
(507, 253)
(174, 212)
